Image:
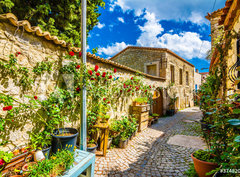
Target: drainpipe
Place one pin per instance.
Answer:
(83, 132)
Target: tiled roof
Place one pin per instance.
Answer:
(47, 36)
(152, 48)
(214, 13)
(204, 73)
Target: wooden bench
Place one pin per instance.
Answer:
(84, 161)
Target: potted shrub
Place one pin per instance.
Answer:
(155, 116)
(150, 120)
(171, 106)
(42, 141)
(92, 146)
(204, 162)
(123, 140)
(64, 138)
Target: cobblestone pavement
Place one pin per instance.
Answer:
(148, 154)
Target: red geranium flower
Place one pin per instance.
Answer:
(71, 53)
(96, 68)
(80, 54)
(129, 90)
(17, 53)
(150, 86)
(97, 74)
(90, 72)
(104, 99)
(35, 97)
(115, 70)
(110, 77)
(78, 89)
(131, 78)
(2, 162)
(104, 74)
(120, 91)
(92, 79)
(7, 108)
(78, 66)
(108, 102)
(145, 90)
(124, 86)
(12, 120)
(132, 93)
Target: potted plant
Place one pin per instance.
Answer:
(92, 146)
(171, 106)
(155, 117)
(123, 140)
(204, 162)
(150, 120)
(5, 157)
(140, 101)
(64, 138)
(42, 141)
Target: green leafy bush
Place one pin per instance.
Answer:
(204, 156)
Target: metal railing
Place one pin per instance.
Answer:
(233, 74)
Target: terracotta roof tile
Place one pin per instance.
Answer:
(35, 29)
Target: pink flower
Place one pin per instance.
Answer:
(35, 97)
(71, 53)
(110, 77)
(96, 68)
(80, 54)
(97, 74)
(78, 66)
(90, 72)
(115, 70)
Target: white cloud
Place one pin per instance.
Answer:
(112, 49)
(168, 9)
(186, 44)
(100, 25)
(197, 18)
(150, 30)
(121, 19)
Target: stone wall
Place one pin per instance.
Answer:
(137, 57)
(35, 49)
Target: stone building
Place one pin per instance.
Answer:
(223, 21)
(197, 80)
(163, 63)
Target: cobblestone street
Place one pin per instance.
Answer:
(148, 154)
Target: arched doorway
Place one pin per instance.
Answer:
(158, 102)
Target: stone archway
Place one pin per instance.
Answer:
(158, 102)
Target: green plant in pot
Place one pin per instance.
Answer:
(204, 162)
(42, 141)
(123, 140)
(140, 101)
(92, 146)
(5, 157)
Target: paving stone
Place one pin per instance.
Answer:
(148, 154)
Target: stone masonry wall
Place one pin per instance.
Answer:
(36, 49)
(136, 58)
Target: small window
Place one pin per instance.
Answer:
(172, 74)
(187, 78)
(152, 70)
(180, 76)
(196, 87)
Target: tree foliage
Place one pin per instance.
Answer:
(61, 18)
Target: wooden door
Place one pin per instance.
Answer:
(158, 103)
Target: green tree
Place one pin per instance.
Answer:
(61, 18)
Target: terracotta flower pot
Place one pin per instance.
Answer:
(203, 167)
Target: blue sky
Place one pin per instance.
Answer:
(178, 25)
